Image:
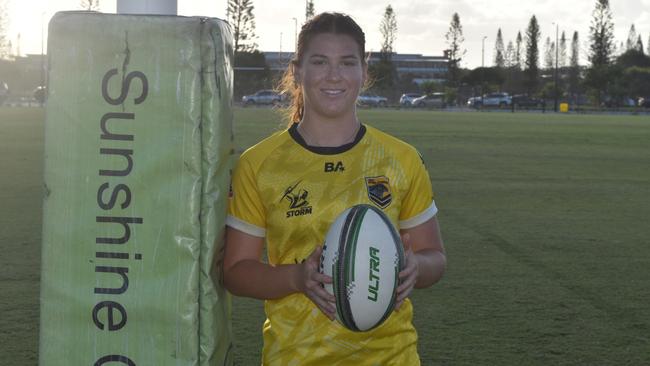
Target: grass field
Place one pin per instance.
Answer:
(546, 220)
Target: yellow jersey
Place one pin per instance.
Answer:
(289, 193)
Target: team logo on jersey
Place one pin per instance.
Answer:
(379, 191)
(334, 167)
(297, 198)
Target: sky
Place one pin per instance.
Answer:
(422, 24)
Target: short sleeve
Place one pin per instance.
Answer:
(418, 205)
(246, 211)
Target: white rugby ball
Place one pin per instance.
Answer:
(363, 254)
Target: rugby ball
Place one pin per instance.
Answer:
(363, 254)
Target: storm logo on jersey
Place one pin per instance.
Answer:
(379, 191)
(298, 204)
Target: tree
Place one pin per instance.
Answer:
(252, 73)
(574, 70)
(552, 50)
(601, 35)
(499, 52)
(5, 44)
(633, 58)
(648, 44)
(639, 44)
(519, 54)
(388, 29)
(628, 75)
(632, 72)
(562, 51)
(513, 76)
(549, 54)
(89, 5)
(631, 39)
(430, 87)
(492, 77)
(383, 75)
(455, 39)
(510, 56)
(531, 71)
(601, 49)
(384, 72)
(309, 9)
(241, 19)
(637, 80)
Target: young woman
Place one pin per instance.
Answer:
(289, 188)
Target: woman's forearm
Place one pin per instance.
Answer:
(251, 278)
(431, 267)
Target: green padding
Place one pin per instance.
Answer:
(137, 158)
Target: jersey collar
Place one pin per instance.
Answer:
(326, 150)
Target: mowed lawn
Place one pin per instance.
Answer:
(546, 220)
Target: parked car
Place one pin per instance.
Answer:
(526, 101)
(406, 100)
(4, 92)
(629, 102)
(262, 97)
(496, 100)
(433, 100)
(609, 101)
(372, 100)
(475, 102)
(40, 94)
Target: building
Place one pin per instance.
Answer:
(416, 67)
(410, 66)
(278, 61)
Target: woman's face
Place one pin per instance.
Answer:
(331, 74)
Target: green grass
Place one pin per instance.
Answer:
(21, 171)
(545, 219)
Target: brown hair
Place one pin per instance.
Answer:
(336, 23)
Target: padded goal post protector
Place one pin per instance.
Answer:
(138, 152)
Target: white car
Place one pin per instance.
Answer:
(433, 100)
(644, 102)
(475, 102)
(500, 100)
(372, 100)
(262, 97)
(406, 100)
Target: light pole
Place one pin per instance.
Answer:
(557, 47)
(482, 68)
(483, 52)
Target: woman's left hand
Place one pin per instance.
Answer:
(409, 275)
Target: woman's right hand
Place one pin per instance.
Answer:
(310, 282)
